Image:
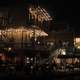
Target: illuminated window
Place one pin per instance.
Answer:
(77, 43)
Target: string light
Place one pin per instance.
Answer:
(26, 32)
(40, 14)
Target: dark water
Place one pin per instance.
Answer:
(51, 76)
(46, 77)
(38, 76)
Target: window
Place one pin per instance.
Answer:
(77, 43)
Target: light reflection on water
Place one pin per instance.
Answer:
(52, 77)
(40, 76)
(65, 78)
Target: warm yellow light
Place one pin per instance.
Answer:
(78, 47)
(3, 58)
(17, 34)
(0, 32)
(40, 14)
(77, 42)
(9, 49)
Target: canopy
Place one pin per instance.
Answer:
(22, 33)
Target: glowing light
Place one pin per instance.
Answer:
(0, 32)
(27, 58)
(77, 43)
(40, 14)
(18, 33)
(9, 49)
(63, 52)
(3, 58)
(31, 59)
(38, 42)
(78, 47)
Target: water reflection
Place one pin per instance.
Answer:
(50, 76)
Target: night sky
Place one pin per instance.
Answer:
(63, 10)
